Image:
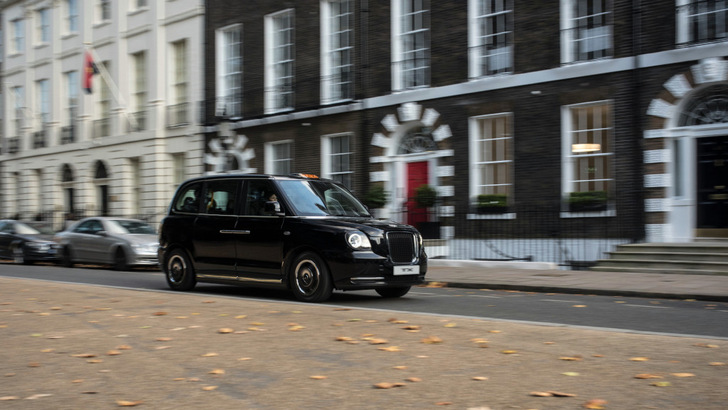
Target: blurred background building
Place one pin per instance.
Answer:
(603, 121)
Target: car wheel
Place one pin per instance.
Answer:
(179, 271)
(120, 263)
(19, 255)
(310, 279)
(393, 292)
(66, 258)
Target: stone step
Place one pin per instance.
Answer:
(669, 256)
(664, 266)
(643, 269)
(691, 247)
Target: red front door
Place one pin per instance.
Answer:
(417, 174)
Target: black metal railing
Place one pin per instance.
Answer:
(177, 115)
(68, 134)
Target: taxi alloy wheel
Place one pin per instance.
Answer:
(179, 271)
(310, 279)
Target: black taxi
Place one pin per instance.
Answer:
(301, 232)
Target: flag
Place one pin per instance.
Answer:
(89, 69)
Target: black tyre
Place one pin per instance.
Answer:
(19, 255)
(66, 257)
(310, 279)
(179, 271)
(393, 292)
(120, 263)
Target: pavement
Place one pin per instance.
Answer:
(544, 277)
(78, 346)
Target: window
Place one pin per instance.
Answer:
(410, 45)
(701, 21)
(139, 4)
(104, 10)
(44, 101)
(586, 30)
(491, 38)
(139, 91)
(220, 196)
(71, 16)
(19, 97)
(491, 147)
(135, 202)
(587, 165)
(179, 173)
(336, 158)
(178, 110)
(68, 127)
(229, 72)
(102, 123)
(43, 28)
(337, 40)
(279, 58)
(18, 33)
(279, 158)
(258, 192)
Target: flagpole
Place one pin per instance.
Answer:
(112, 87)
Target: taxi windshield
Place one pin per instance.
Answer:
(321, 198)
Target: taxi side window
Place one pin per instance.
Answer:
(189, 199)
(257, 192)
(220, 197)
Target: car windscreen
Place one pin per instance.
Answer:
(23, 229)
(120, 226)
(321, 198)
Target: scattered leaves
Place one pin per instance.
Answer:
(209, 388)
(127, 403)
(683, 374)
(639, 359)
(595, 404)
(571, 358)
(432, 340)
(318, 377)
(661, 384)
(647, 376)
(225, 330)
(387, 385)
(217, 372)
(390, 349)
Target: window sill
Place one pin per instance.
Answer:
(598, 214)
(511, 215)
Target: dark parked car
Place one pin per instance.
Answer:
(25, 243)
(120, 242)
(299, 232)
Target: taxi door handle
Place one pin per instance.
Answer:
(235, 232)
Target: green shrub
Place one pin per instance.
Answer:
(425, 196)
(376, 197)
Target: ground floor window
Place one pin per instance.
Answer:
(491, 147)
(336, 158)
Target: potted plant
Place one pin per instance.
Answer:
(425, 196)
(376, 197)
(589, 201)
(492, 203)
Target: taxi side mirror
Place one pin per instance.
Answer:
(273, 207)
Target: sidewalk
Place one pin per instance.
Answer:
(77, 346)
(543, 277)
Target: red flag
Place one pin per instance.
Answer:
(89, 69)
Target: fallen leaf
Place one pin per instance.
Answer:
(38, 396)
(647, 376)
(411, 327)
(509, 351)
(443, 403)
(319, 377)
(160, 313)
(451, 325)
(163, 339)
(384, 385)
(579, 306)
(33, 364)
(84, 355)
(710, 346)
(683, 374)
(572, 374)
(378, 341)
(432, 340)
(571, 358)
(210, 355)
(225, 330)
(717, 364)
(94, 361)
(639, 359)
(123, 347)
(113, 353)
(400, 367)
(209, 388)
(390, 349)
(343, 339)
(661, 384)
(595, 404)
(126, 403)
(541, 394)
(561, 394)
(414, 379)
(218, 372)
(8, 398)
(480, 378)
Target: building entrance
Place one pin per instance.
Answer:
(712, 186)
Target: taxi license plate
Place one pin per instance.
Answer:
(407, 270)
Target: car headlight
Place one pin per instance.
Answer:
(358, 240)
(39, 246)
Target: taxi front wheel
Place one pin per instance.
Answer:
(393, 292)
(310, 279)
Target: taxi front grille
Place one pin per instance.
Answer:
(402, 247)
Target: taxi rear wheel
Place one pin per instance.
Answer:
(310, 279)
(393, 292)
(179, 271)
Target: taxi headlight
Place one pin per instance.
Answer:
(358, 240)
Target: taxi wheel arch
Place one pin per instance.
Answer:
(309, 277)
(179, 271)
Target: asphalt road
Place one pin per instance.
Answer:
(675, 317)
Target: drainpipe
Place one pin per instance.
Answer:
(637, 119)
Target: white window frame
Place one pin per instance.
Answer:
(229, 71)
(18, 33)
(104, 10)
(279, 62)
(570, 39)
(401, 78)
(481, 156)
(337, 76)
(43, 92)
(43, 25)
(72, 84)
(569, 179)
(71, 16)
(327, 159)
(484, 59)
(139, 88)
(272, 161)
(684, 34)
(18, 93)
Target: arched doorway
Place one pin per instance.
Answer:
(101, 180)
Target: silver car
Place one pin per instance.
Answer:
(122, 243)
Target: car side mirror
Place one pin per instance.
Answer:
(273, 207)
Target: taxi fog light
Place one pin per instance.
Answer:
(358, 240)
